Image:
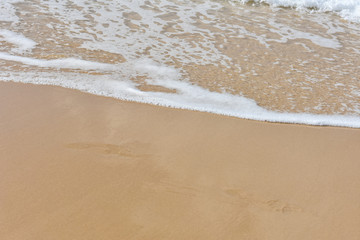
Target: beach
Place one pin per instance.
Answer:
(80, 166)
(206, 119)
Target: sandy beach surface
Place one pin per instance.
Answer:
(79, 166)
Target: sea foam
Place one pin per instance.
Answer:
(186, 96)
(63, 63)
(7, 11)
(347, 9)
(22, 43)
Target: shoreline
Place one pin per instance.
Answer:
(259, 113)
(81, 166)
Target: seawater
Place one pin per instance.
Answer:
(293, 61)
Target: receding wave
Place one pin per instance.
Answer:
(224, 57)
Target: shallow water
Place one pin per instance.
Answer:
(238, 58)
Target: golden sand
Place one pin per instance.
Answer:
(78, 166)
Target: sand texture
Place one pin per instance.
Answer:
(78, 166)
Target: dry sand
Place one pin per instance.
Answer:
(78, 166)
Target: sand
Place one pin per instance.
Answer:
(78, 166)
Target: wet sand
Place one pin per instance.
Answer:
(78, 166)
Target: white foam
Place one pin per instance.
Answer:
(187, 96)
(23, 44)
(129, 42)
(7, 11)
(63, 63)
(348, 9)
(288, 33)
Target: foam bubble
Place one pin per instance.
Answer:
(70, 63)
(348, 9)
(23, 44)
(7, 11)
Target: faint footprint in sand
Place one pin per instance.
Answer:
(273, 205)
(279, 206)
(237, 193)
(131, 150)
